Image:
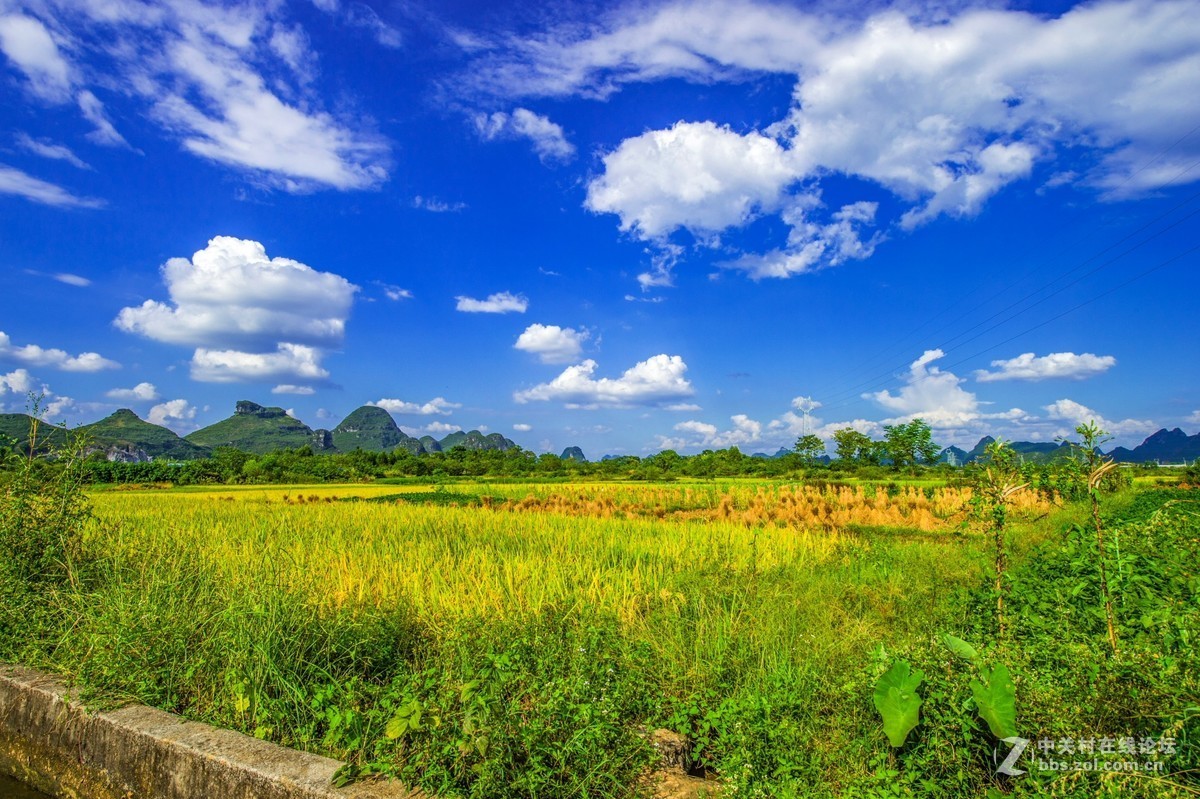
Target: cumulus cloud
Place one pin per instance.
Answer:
(1194, 418)
(743, 431)
(34, 355)
(18, 381)
(142, 392)
(502, 302)
(289, 361)
(439, 406)
(551, 343)
(14, 181)
(548, 139)
(942, 111)
(1028, 366)
(177, 414)
(694, 175)
(522, 428)
(655, 381)
(250, 317)
(1074, 413)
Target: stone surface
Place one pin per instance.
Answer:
(52, 743)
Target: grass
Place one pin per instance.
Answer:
(522, 646)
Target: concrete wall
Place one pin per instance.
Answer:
(137, 752)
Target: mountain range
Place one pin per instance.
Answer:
(259, 429)
(254, 428)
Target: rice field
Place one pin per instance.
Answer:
(745, 615)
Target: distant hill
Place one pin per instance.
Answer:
(127, 437)
(476, 440)
(1030, 451)
(430, 444)
(254, 428)
(574, 454)
(372, 429)
(15, 427)
(954, 456)
(1165, 446)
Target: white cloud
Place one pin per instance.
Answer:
(269, 317)
(522, 428)
(93, 111)
(287, 388)
(436, 206)
(942, 110)
(682, 406)
(654, 381)
(1028, 366)
(18, 381)
(693, 175)
(937, 397)
(288, 362)
(702, 41)
(551, 343)
(395, 293)
(744, 431)
(48, 149)
(176, 414)
(142, 392)
(1194, 418)
(434, 429)
(14, 181)
(439, 406)
(72, 280)
(34, 355)
(1072, 412)
(549, 141)
(231, 83)
(31, 48)
(502, 302)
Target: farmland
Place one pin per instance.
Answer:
(521, 639)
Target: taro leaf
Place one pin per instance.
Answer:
(897, 701)
(996, 699)
(961, 648)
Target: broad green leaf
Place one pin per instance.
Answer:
(897, 701)
(996, 699)
(961, 648)
(396, 727)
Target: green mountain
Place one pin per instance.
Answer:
(253, 428)
(372, 429)
(1165, 446)
(14, 427)
(430, 444)
(573, 454)
(126, 437)
(476, 440)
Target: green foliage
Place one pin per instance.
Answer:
(809, 447)
(43, 510)
(897, 701)
(996, 700)
(910, 444)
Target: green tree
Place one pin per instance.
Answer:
(910, 444)
(852, 445)
(809, 447)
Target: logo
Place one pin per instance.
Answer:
(1008, 767)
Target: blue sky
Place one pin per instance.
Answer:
(621, 226)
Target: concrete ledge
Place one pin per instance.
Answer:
(52, 743)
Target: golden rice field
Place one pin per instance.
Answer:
(520, 548)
